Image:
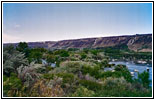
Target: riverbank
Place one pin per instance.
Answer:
(135, 67)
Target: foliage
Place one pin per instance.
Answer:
(94, 52)
(48, 76)
(70, 66)
(40, 89)
(41, 70)
(67, 77)
(117, 92)
(120, 67)
(111, 82)
(62, 53)
(83, 92)
(83, 55)
(119, 87)
(22, 47)
(78, 73)
(107, 74)
(104, 62)
(124, 72)
(90, 85)
(120, 53)
(48, 68)
(69, 82)
(12, 59)
(35, 55)
(12, 85)
(27, 75)
(144, 79)
(50, 58)
(93, 71)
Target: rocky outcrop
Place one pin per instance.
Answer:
(141, 43)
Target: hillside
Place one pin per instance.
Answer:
(141, 43)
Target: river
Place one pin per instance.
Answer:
(132, 66)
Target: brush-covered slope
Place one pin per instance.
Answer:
(141, 43)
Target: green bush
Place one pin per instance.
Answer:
(71, 66)
(110, 74)
(83, 55)
(67, 77)
(122, 69)
(48, 68)
(11, 85)
(92, 70)
(41, 70)
(119, 87)
(50, 58)
(83, 92)
(144, 79)
(48, 76)
(68, 82)
(62, 53)
(90, 85)
(12, 59)
(116, 92)
(111, 82)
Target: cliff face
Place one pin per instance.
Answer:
(134, 42)
(141, 43)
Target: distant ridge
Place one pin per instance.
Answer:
(138, 42)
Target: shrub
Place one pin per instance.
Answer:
(48, 68)
(12, 85)
(41, 70)
(124, 72)
(50, 58)
(90, 85)
(40, 89)
(62, 53)
(110, 74)
(27, 74)
(94, 52)
(144, 79)
(67, 77)
(83, 55)
(110, 83)
(48, 76)
(83, 92)
(69, 82)
(119, 87)
(92, 70)
(71, 66)
(116, 92)
(12, 59)
(88, 77)
(120, 67)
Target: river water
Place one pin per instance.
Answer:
(132, 66)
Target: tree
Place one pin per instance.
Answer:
(22, 46)
(35, 55)
(144, 79)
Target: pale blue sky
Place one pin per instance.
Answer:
(58, 21)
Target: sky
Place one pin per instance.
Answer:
(32, 22)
